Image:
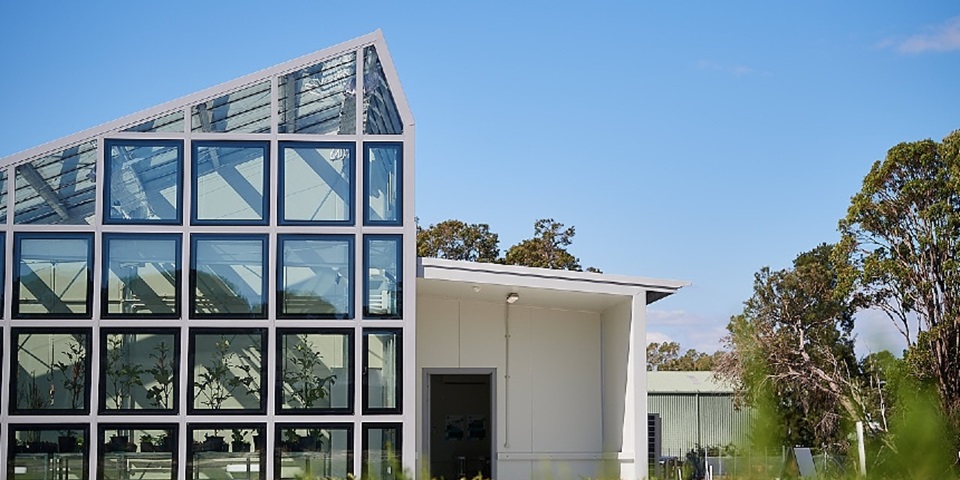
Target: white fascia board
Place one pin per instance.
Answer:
(512, 275)
(374, 38)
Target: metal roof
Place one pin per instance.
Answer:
(686, 382)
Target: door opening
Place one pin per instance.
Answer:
(461, 425)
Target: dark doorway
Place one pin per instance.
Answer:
(461, 425)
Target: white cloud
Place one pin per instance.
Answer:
(657, 337)
(689, 329)
(940, 38)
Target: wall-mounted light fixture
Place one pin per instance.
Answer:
(512, 297)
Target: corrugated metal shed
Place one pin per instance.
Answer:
(695, 408)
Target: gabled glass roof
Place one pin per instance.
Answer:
(315, 95)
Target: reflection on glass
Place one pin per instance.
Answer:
(383, 177)
(53, 278)
(227, 370)
(383, 280)
(381, 451)
(3, 196)
(226, 451)
(317, 183)
(48, 452)
(321, 98)
(244, 111)
(227, 277)
(131, 452)
(51, 371)
(316, 276)
(380, 114)
(59, 188)
(143, 181)
(313, 451)
(171, 122)
(230, 182)
(142, 275)
(316, 373)
(138, 371)
(382, 372)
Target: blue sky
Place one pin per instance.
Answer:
(689, 140)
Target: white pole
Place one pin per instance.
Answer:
(861, 449)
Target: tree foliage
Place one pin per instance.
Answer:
(547, 248)
(456, 240)
(901, 238)
(793, 345)
(666, 357)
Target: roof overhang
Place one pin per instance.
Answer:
(536, 286)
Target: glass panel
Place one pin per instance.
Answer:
(380, 114)
(230, 182)
(171, 122)
(48, 452)
(227, 371)
(143, 181)
(227, 277)
(381, 451)
(54, 278)
(317, 183)
(129, 452)
(59, 188)
(314, 451)
(316, 277)
(139, 370)
(382, 372)
(142, 275)
(3, 196)
(383, 283)
(51, 371)
(320, 99)
(226, 451)
(383, 184)
(243, 111)
(316, 371)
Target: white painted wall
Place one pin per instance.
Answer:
(549, 406)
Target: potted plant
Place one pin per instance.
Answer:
(147, 443)
(306, 375)
(213, 443)
(121, 373)
(313, 441)
(67, 442)
(117, 442)
(291, 441)
(238, 444)
(74, 372)
(219, 381)
(163, 442)
(160, 394)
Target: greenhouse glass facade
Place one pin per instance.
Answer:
(218, 287)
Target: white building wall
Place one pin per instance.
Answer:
(549, 400)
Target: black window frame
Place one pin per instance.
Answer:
(106, 237)
(366, 276)
(365, 407)
(18, 238)
(367, 221)
(260, 429)
(365, 444)
(192, 373)
(102, 387)
(352, 369)
(265, 245)
(13, 428)
(107, 170)
(279, 426)
(280, 293)
(102, 441)
(15, 333)
(281, 187)
(194, 178)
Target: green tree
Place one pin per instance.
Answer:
(547, 248)
(666, 357)
(793, 344)
(456, 240)
(901, 238)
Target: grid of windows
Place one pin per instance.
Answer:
(291, 305)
